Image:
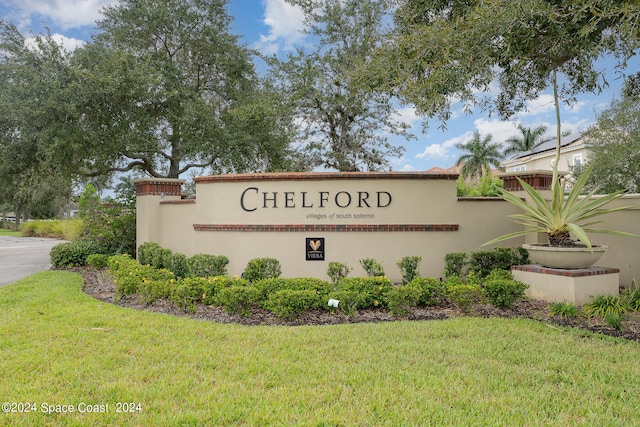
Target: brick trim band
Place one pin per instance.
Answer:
(591, 271)
(325, 227)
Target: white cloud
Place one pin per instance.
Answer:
(68, 43)
(407, 116)
(286, 25)
(443, 150)
(541, 105)
(64, 13)
(499, 130)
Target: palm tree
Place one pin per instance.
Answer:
(529, 140)
(483, 154)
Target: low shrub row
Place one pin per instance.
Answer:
(287, 297)
(199, 265)
(483, 262)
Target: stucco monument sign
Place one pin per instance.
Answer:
(306, 220)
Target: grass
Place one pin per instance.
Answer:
(60, 347)
(5, 232)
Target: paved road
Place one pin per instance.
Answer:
(23, 256)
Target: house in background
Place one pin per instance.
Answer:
(573, 152)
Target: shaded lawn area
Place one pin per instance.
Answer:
(59, 346)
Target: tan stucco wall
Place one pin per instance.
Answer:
(416, 198)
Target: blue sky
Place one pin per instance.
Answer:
(274, 27)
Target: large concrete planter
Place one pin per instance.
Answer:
(564, 257)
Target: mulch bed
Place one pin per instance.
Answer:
(100, 285)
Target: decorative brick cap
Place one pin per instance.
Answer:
(580, 272)
(323, 176)
(325, 227)
(158, 187)
(538, 179)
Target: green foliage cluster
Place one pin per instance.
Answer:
(288, 297)
(286, 303)
(501, 288)
(98, 261)
(262, 268)
(238, 299)
(205, 265)
(75, 253)
(484, 262)
(372, 290)
(372, 267)
(486, 186)
(111, 224)
(337, 271)
(199, 265)
(563, 309)
(433, 291)
(409, 268)
(603, 305)
(401, 299)
(154, 283)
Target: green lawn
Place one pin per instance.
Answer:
(5, 232)
(61, 347)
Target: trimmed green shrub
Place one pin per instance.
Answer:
(433, 291)
(98, 261)
(373, 290)
(152, 290)
(205, 265)
(502, 289)
(187, 292)
(238, 299)
(262, 268)
(337, 271)
(349, 303)
(268, 287)
(463, 294)
(130, 275)
(178, 265)
(484, 262)
(401, 299)
(288, 302)
(151, 253)
(372, 267)
(409, 268)
(454, 264)
(73, 254)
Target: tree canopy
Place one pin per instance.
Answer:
(448, 51)
(167, 88)
(344, 124)
(614, 144)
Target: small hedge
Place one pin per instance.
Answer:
(73, 254)
(238, 299)
(286, 303)
(373, 290)
(262, 268)
(205, 265)
(401, 299)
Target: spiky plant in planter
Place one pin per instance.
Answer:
(565, 215)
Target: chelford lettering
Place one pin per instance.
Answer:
(253, 199)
